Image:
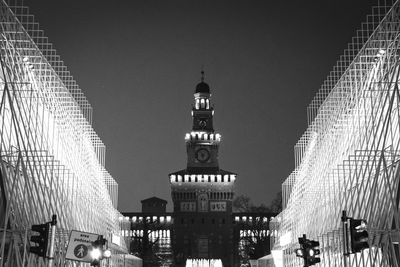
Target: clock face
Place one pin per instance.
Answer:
(202, 155)
(202, 123)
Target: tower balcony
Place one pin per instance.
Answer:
(202, 136)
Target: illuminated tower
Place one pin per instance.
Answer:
(202, 193)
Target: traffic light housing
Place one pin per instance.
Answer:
(41, 240)
(358, 235)
(99, 251)
(309, 250)
(96, 252)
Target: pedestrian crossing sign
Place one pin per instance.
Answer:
(79, 245)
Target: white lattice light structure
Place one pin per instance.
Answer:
(51, 159)
(348, 158)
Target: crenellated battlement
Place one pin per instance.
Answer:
(203, 178)
(206, 136)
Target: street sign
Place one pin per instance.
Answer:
(79, 245)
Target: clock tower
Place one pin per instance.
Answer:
(202, 193)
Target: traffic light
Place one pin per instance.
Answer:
(309, 250)
(358, 235)
(96, 252)
(299, 252)
(41, 240)
(107, 253)
(99, 251)
(312, 251)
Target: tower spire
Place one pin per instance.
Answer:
(202, 87)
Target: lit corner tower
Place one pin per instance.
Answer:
(202, 193)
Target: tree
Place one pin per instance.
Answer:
(242, 203)
(276, 204)
(254, 242)
(146, 247)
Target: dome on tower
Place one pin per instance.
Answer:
(202, 87)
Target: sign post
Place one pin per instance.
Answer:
(52, 239)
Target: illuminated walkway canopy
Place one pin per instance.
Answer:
(348, 158)
(51, 159)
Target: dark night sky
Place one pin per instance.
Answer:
(138, 63)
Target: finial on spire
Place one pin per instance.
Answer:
(202, 87)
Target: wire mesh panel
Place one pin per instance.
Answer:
(51, 159)
(348, 158)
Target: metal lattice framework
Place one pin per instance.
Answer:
(348, 158)
(51, 160)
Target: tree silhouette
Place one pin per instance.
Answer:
(146, 247)
(254, 241)
(242, 203)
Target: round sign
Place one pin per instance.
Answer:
(80, 251)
